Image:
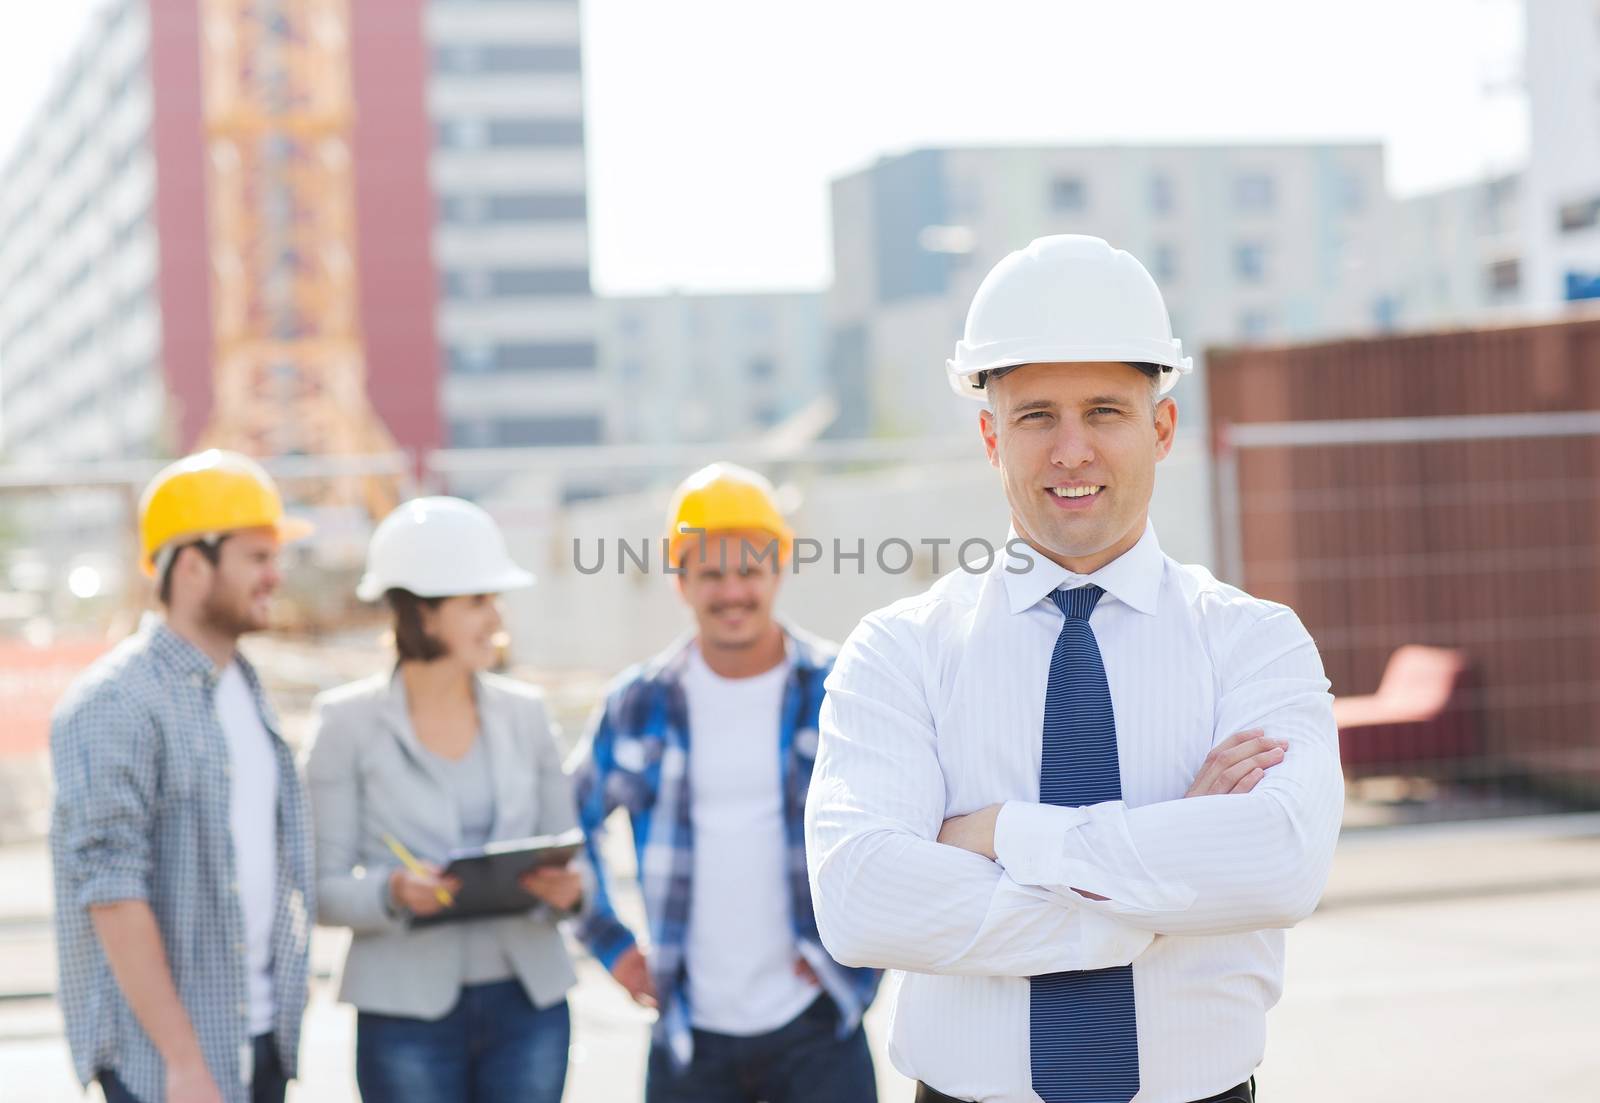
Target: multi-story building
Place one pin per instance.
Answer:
(1562, 198)
(693, 368)
(474, 310)
(516, 317)
(1454, 257)
(1248, 243)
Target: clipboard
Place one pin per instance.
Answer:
(489, 875)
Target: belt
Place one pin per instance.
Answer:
(1243, 1093)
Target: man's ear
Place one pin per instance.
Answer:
(989, 428)
(1166, 427)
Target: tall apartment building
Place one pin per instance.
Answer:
(1561, 211)
(710, 367)
(516, 317)
(471, 253)
(1248, 243)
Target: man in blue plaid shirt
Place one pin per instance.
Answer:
(180, 836)
(709, 748)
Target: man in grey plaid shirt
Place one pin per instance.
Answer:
(180, 837)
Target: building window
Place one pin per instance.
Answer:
(1067, 193)
(1580, 215)
(1253, 191)
(1505, 277)
(506, 59)
(521, 431)
(1250, 262)
(513, 283)
(522, 356)
(509, 133)
(1164, 262)
(463, 134)
(1386, 312)
(1352, 196)
(472, 358)
(1254, 325)
(1161, 196)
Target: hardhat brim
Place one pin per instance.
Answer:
(372, 588)
(970, 361)
(289, 529)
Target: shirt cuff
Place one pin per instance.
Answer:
(1029, 839)
(1045, 845)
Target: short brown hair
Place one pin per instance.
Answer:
(411, 639)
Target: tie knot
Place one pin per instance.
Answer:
(1077, 603)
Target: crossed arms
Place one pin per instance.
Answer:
(1069, 888)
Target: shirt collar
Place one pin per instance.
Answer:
(177, 652)
(1133, 578)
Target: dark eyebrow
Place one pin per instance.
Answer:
(1108, 400)
(1033, 404)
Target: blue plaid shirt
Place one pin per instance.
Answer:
(637, 758)
(143, 792)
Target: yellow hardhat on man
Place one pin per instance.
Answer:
(720, 498)
(210, 493)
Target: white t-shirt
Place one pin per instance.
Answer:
(253, 815)
(741, 946)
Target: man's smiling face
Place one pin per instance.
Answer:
(1077, 447)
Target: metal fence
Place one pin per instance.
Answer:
(1449, 568)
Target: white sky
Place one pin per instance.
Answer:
(715, 125)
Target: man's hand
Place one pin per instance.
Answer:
(803, 970)
(558, 886)
(1237, 764)
(974, 832)
(633, 973)
(190, 1082)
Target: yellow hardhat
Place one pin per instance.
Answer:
(210, 492)
(720, 498)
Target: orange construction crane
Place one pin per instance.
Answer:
(289, 370)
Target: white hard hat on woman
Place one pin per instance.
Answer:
(439, 547)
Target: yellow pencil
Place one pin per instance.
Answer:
(409, 860)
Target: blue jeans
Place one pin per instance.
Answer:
(803, 1062)
(267, 1085)
(492, 1046)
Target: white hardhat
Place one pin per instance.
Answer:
(1067, 298)
(439, 547)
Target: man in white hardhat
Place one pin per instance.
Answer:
(1077, 797)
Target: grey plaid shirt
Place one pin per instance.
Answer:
(143, 787)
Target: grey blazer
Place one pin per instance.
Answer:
(369, 775)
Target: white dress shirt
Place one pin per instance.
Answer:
(936, 709)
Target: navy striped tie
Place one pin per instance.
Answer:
(1083, 1037)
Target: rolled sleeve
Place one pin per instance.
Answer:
(107, 768)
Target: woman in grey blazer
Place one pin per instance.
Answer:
(440, 755)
